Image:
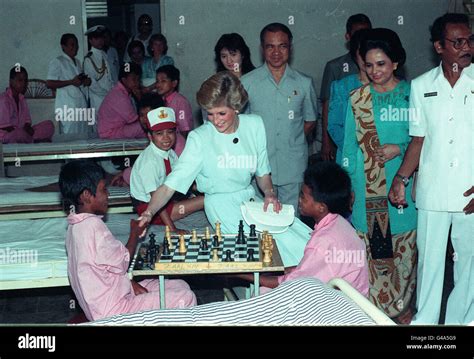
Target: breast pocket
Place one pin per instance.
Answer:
(295, 105)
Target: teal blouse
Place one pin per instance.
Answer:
(391, 120)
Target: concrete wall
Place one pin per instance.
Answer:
(318, 26)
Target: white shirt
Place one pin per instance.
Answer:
(149, 172)
(101, 82)
(114, 62)
(63, 68)
(444, 116)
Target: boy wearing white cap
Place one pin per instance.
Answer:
(154, 164)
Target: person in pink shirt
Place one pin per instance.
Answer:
(118, 117)
(334, 250)
(97, 262)
(15, 118)
(167, 84)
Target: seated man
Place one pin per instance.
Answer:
(118, 117)
(15, 119)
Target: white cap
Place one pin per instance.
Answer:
(161, 118)
(98, 28)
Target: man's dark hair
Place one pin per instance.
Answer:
(171, 72)
(65, 38)
(356, 40)
(331, 185)
(129, 68)
(16, 70)
(76, 177)
(151, 100)
(438, 29)
(275, 27)
(357, 19)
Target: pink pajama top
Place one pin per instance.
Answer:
(334, 251)
(10, 114)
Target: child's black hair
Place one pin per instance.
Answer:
(151, 100)
(76, 177)
(170, 71)
(16, 70)
(331, 185)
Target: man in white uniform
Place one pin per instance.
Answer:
(442, 128)
(66, 77)
(97, 67)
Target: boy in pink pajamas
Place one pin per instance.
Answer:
(15, 119)
(334, 250)
(97, 262)
(118, 117)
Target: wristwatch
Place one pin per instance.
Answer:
(404, 179)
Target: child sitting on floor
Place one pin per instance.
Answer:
(97, 262)
(334, 250)
(154, 164)
(167, 85)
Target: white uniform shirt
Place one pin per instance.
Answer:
(149, 172)
(63, 68)
(101, 82)
(444, 116)
(114, 62)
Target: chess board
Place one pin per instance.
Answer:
(196, 258)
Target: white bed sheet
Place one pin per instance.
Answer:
(13, 191)
(35, 249)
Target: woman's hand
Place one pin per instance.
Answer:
(386, 152)
(270, 197)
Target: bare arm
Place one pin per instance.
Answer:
(409, 165)
(266, 185)
(56, 84)
(308, 127)
(158, 200)
(327, 148)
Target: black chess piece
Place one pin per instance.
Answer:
(204, 246)
(241, 235)
(228, 257)
(215, 241)
(139, 263)
(166, 248)
(250, 257)
(252, 231)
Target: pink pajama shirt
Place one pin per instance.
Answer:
(15, 116)
(117, 116)
(97, 269)
(334, 251)
(184, 118)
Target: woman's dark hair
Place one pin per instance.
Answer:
(356, 40)
(438, 29)
(130, 68)
(151, 100)
(132, 45)
(331, 185)
(76, 177)
(157, 37)
(386, 40)
(65, 38)
(233, 42)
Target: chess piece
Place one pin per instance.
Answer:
(250, 257)
(241, 235)
(204, 246)
(207, 236)
(252, 231)
(182, 244)
(215, 257)
(168, 237)
(166, 249)
(267, 256)
(218, 231)
(140, 262)
(228, 257)
(194, 237)
(215, 241)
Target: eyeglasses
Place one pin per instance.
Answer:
(462, 41)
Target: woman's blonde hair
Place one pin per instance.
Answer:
(222, 89)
